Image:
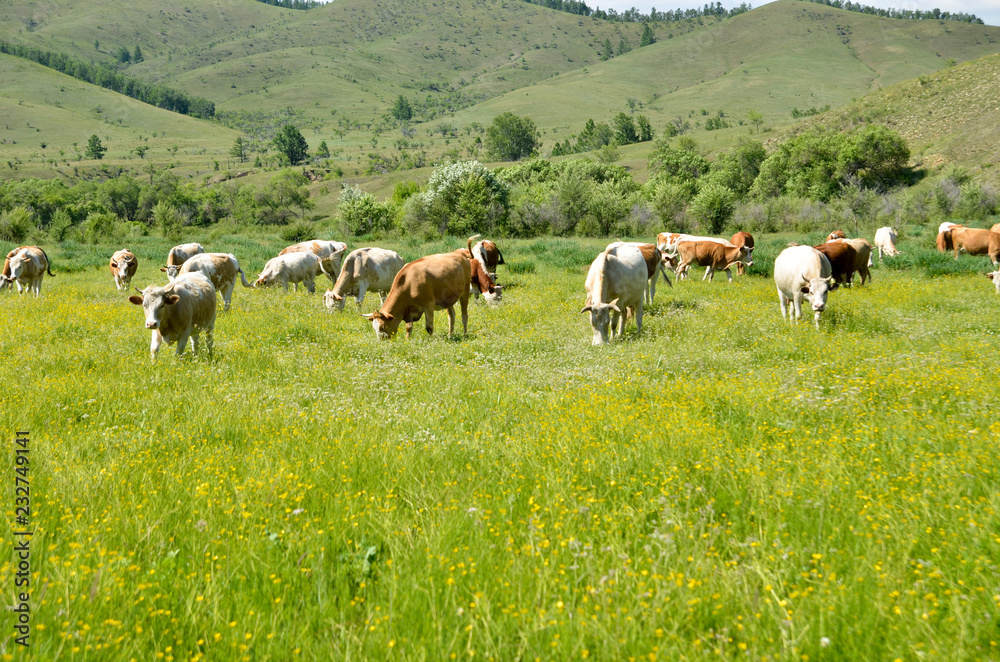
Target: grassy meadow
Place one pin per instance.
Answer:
(725, 485)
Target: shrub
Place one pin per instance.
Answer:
(361, 213)
(100, 227)
(168, 219)
(713, 207)
(16, 224)
(669, 199)
(465, 198)
(293, 234)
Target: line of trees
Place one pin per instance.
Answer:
(633, 15)
(910, 14)
(292, 4)
(109, 78)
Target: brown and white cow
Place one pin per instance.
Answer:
(943, 239)
(26, 266)
(123, 265)
(178, 311)
(655, 262)
(220, 268)
(482, 280)
(616, 284)
(975, 241)
(712, 255)
(488, 255)
(292, 268)
(842, 258)
(836, 234)
(885, 243)
(421, 287)
(995, 277)
(802, 272)
(364, 269)
(742, 238)
(329, 252)
(179, 254)
(863, 258)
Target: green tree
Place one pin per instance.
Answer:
(874, 155)
(623, 47)
(512, 138)
(402, 110)
(647, 36)
(97, 45)
(625, 133)
(608, 50)
(240, 149)
(291, 144)
(739, 167)
(713, 206)
(681, 165)
(95, 150)
(168, 219)
(756, 119)
(323, 151)
(122, 55)
(137, 54)
(141, 150)
(644, 128)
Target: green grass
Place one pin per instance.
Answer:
(725, 482)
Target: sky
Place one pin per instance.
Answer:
(988, 10)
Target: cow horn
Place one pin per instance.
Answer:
(586, 309)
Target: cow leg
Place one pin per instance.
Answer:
(429, 320)
(194, 342)
(451, 320)
(284, 281)
(638, 319)
(362, 288)
(464, 302)
(652, 288)
(209, 341)
(227, 294)
(782, 303)
(409, 329)
(310, 285)
(797, 304)
(154, 344)
(729, 275)
(182, 342)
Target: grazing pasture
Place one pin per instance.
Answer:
(726, 485)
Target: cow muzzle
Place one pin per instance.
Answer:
(152, 325)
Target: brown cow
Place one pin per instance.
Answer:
(836, 234)
(977, 242)
(26, 266)
(710, 254)
(421, 287)
(943, 240)
(488, 255)
(995, 228)
(482, 282)
(743, 239)
(123, 265)
(842, 257)
(863, 261)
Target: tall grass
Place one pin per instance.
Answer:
(725, 485)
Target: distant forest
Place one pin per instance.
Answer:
(110, 78)
(293, 4)
(634, 15)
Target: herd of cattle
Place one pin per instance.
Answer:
(620, 281)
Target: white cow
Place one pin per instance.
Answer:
(364, 269)
(616, 285)
(180, 310)
(292, 268)
(123, 265)
(220, 268)
(655, 262)
(26, 266)
(329, 253)
(802, 272)
(178, 255)
(995, 277)
(885, 242)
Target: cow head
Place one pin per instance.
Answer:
(385, 325)
(817, 291)
(333, 300)
(263, 280)
(995, 277)
(494, 294)
(153, 301)
(122, 265)
(600, 319)
(17, 264)
(171, 270)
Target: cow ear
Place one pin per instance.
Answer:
(586, 309)
(137, 300)
(804, 290)
(369, 316)
(163, 269)
(171, 300)
(829, 281)
(386, 316)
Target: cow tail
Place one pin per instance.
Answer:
(663, 270)
(500, 255)
(48, 264)
(243, 277)
(468, 242)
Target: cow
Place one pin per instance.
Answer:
(615, 285)
(421, 287)
(26, 266)
(995, 277)
(487, 254)
(667, 241)
(482, 280)
(943, 240)
(655, 262)
(179, 254)
(123, 265)
(863, 259)
(743, 239)
(712, 255)
(364, 269)
(885, 242)
(329, 253)
(802, 272)
(180, 310)
(292, 268)
(975, 241)
(995, 228)
(842, 258)
(836, 234)
(220, 268)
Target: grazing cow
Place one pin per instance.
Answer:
(995, 277)
(292, 268)
(743, 239)
(616, 284)
(364, 269)
(836, 234)
(178, 255)
(421, 287)
(943, 240)
(885, 242)
(975, 241)
(123, 265)
(863, 259)
(842, 257)
(26, 266)
(667, 241)
(329, 253)
(178, 311)
(482, 280)
(712, 255)
(802, 272)
(655, 262)
(220, 268)
(488, 255)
